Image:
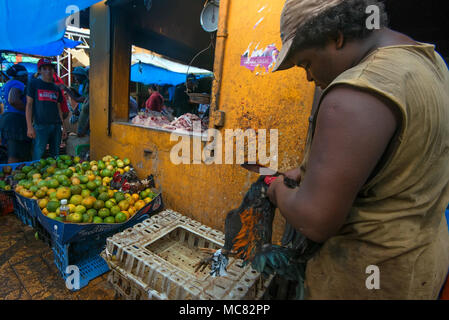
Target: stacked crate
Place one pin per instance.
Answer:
(155, 259)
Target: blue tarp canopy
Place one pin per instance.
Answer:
(149, 74)
(52, 49)
(30, 24)
(148, 68)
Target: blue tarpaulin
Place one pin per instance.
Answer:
(34, 23)
(148, 74)
(150, 68)
(52, 49)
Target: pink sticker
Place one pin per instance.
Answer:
(259, 58)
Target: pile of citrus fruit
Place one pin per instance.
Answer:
(85, 185)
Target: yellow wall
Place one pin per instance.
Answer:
(250, 100)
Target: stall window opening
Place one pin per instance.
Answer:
(167, 94)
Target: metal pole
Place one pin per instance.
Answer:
(59, 65)
(70, 68)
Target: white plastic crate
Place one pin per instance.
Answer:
(155, 259)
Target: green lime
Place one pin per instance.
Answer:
(51, 215)
(91, 185)
(103, 212)
(92, 212)
(115, 210)
(109, 220)
(87, 218)
(120, 217)
(103, 196)
(77, 217)
(119, 196)
(84, 179)
(76, 189)
(99, 204)
(109, 204)
(80, 209)
(97, 219)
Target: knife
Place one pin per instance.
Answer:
(270, 174)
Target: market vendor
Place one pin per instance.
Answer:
(374, 183)
(13, 125)
(155, 102)
(43, 111)
(181, 100)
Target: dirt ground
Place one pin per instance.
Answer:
(27, 270)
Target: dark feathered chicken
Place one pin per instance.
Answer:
(248, 232)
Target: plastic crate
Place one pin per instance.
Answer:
(25, 210)
(75, 232)
(43, 234)
(126, 289)
(157, 258)
(7, 197)
(85, 254)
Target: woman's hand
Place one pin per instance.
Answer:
(31, 133)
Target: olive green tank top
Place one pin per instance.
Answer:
(397, 221)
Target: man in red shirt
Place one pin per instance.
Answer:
(155, 102)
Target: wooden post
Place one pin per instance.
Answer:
(120, 68)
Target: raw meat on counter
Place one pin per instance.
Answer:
(183, 123)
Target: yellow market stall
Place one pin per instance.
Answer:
(244, 95)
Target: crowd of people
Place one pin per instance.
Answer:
(33, 124)
(40, 112)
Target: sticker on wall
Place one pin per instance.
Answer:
(264, 58)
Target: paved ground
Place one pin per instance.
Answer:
(27, 270)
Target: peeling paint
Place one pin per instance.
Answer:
(259, 58)
(258, 22)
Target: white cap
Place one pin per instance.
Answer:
(64, 201)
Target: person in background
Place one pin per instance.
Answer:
(181, 100)
(13, 124)
(73, 107)
(81, 77)
(155, 102)
(203, 110)
(43, 111)
(64, 105)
